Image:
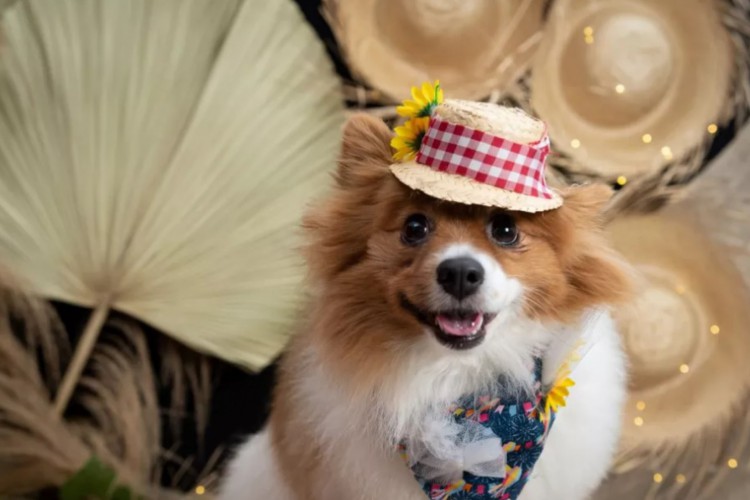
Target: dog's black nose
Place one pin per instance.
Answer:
(461, 276)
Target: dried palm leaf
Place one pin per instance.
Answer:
(155, 157)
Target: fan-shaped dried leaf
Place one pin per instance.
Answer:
(156, 156)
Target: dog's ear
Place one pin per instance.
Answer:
(598, 276)
(580, 215)
(585, 204)
(596, 273)
(365, 151)
(338, 229)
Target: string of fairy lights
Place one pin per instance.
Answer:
(646, 138)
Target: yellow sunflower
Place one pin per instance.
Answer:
(409, 137)
(558, 393)
(424, 100)
(560, 388)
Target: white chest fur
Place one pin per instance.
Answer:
(358, 435)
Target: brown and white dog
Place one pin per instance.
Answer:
(418, 301)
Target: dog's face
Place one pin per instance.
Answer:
(462, 266)
(395, 265)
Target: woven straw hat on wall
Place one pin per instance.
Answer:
(472, 46)
(684, 333)
(628, 86)
(686, 424)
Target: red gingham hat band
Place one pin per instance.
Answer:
(486, 158)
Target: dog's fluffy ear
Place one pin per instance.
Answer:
(338, 229)
(598, 275)
(365, 150)
(586, 203)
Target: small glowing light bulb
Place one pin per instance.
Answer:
(619, 88)
(646, 138)
(640, 405)
(714, 329)
(658, 478)
(732, 463)
(712, 128)
(575, 144)
(588, 31)
(622, 180)
(200, 490)
(684, 368)
(680, 478)
(638, 421)
(666, 152)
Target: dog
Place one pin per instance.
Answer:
(418, 301)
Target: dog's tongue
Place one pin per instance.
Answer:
(461, 327)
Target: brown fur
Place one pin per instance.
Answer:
(359, 266)
(355, 251)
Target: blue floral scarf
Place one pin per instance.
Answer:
(504, 435)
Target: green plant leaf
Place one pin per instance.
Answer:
(96, 481)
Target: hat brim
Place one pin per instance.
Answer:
(457, 189)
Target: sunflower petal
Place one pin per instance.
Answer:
(428, 91)
(554, 398)
(409, 155)
(412, 106)
(408, 109)
(398, 143)
(420, 124)
(405, 131)
(401, 154)
(416, 94)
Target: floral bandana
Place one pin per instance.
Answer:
(499, 438)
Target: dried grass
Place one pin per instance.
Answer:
(116, 414)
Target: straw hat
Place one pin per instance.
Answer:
(684, 332)
(474, 45)
(473, 153)
(627, 86)
(687, 338)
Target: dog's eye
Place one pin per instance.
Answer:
(416, 229)
(502, 230)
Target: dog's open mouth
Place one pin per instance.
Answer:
(460, 323)
(460, 329)
(457, 329)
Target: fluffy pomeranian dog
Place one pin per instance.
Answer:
(418, 301)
